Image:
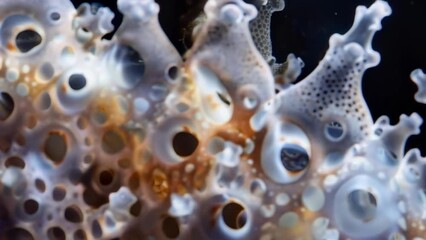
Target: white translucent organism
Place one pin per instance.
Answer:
(124, 138)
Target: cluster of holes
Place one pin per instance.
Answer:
(336, 88)
(184, 143)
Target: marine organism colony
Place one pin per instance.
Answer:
(121, 138)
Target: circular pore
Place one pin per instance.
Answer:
(294, 157)
(184, 143)
(363, 208)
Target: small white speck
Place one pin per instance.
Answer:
(189, 168)
(26, 68)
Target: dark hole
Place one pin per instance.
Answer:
(55, 233)
(55, 16)
(6, 106)
(15, 162)
(96, 229)
(45, 101)
(234, 215)
(55, 147)
(133, 64)
(294, 157)
(30, 206)
(80, 235)
(40, 185)
(223, 98)
(58, 194)
(75, 176)
(106, 177)
(112, 142)
(184, 143)
(94, 199)
(362, 204)
(173, 72)
(392, 154)
(136, 208)
(73, 214)
(17, 233)
(170, 227)
(27, 40)
(77, 81)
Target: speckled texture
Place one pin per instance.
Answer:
(124, 138)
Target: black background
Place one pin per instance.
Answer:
(304, 28)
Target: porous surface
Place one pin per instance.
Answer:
(125, 139)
